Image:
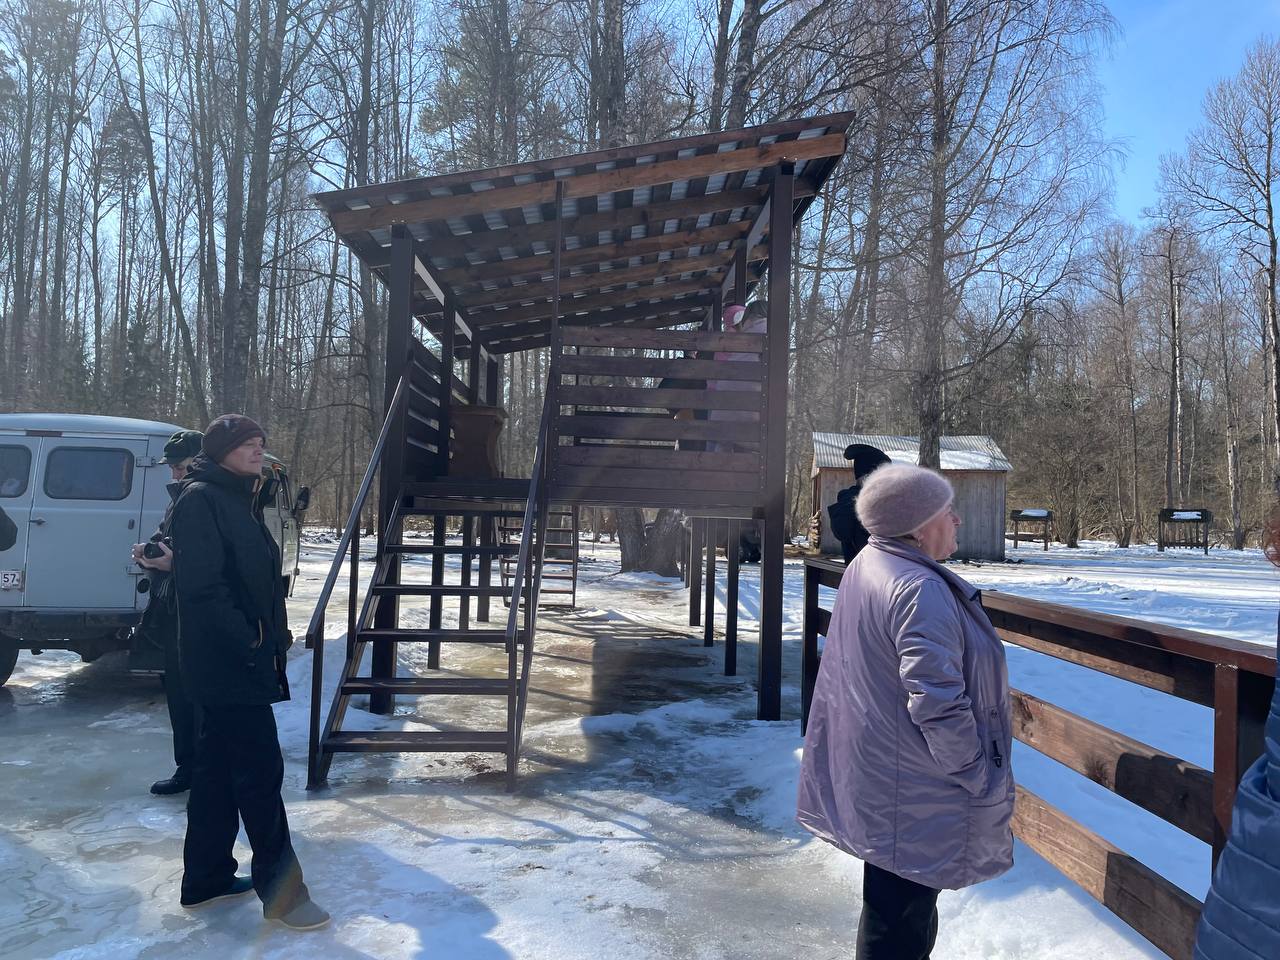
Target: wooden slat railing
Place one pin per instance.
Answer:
(1234, 678)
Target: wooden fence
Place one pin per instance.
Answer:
(1235, 679)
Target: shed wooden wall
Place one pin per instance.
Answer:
(830, 482)
(980, 501)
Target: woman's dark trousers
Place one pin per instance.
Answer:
(899, 917)
(238, 774)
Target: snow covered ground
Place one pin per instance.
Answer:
(654, 815)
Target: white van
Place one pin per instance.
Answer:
(81, 491)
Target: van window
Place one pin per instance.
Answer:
(88, 473)
(15, 468)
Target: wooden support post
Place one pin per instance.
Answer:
(740, 267)
(391, 474)
(732, 543)
(709, 614)
(1241, 702)
(769, 692)
(695, 572)
(488, 525)
(435, 619)
(809, 643)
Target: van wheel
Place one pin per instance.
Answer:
(8, 658)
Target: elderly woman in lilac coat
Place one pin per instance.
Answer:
(906, 761)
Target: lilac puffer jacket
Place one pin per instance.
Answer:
(906, 761)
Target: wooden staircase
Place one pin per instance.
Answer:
(475, 508)
(560, 562)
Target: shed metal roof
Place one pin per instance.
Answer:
(649, 230)
(958, 453)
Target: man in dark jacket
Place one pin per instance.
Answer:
(233, 638)
(845, 525)
(160, 622)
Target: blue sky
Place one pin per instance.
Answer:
(1156, 74)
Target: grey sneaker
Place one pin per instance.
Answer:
(305, 916)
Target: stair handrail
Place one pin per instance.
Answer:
(534, 507)
(315, 629)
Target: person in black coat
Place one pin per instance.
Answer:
(233, 638)
(845, 525)
(160, 622)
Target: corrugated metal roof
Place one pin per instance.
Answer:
(958, 453)
(648, 205)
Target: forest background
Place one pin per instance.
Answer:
(961, 273)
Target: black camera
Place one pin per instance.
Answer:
(152, 549)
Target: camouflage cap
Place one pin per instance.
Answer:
(183, 445)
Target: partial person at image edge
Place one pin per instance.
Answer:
(906, 759)
(233, 639)
(8, 531)
(1241, 916)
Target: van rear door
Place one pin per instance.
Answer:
(85, 515)
(18, 459)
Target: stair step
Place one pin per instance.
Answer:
(503, 550)
(498, 488)
(458, 508)
(438, 590)
(470, 686)
(547, 561)
(415, 741)
(443, 636)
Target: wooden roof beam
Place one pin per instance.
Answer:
(540, 265)
(600, 301)
(588, 184)
(609, 278)
(489, 243)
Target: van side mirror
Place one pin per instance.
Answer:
(302, 501)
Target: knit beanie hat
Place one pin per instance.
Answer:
(899, 498)
(182, 446)
(228, 432)
(865, 458)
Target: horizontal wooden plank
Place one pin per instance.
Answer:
(583, 282)
(652, 398)
(621, 455)
(707, 502)
(542, 265)
(641, 427)
(1176, 641)
(1185, 678)
(1172, 788)
(658, 368)
(587, 185)
(625, 338)
(592, 302)
(656, 479)
(1153, 906)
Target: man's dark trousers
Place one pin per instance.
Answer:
(899, 917)
(183, 716)
(238, 774)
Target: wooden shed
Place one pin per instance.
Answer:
(975, 466)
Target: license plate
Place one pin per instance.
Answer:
(10, 579)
